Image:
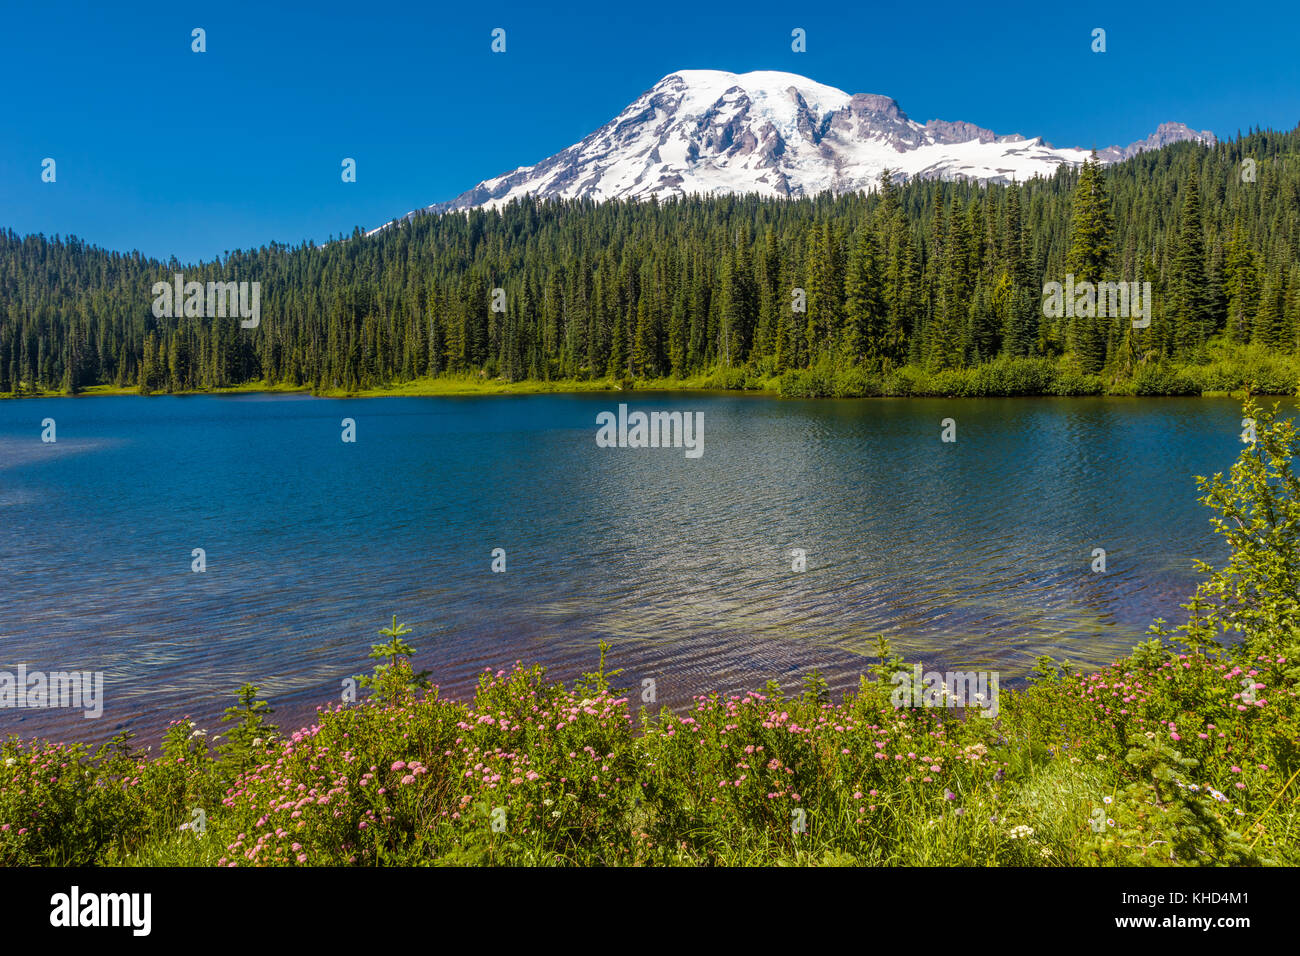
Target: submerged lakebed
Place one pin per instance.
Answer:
(976, 553)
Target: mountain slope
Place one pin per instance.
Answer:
(780, 135)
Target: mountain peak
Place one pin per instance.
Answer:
(759, 84)
(768, 95)
(781, 135)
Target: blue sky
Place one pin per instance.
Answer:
(176, 153)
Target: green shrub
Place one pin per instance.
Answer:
(1162, 379)
(1232, 368)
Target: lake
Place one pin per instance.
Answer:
(976, 553)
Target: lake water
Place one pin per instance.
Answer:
(975, 553)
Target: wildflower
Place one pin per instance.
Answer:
(1021, 832)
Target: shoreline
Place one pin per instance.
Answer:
(458, 388)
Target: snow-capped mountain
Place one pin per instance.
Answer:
(780, 135)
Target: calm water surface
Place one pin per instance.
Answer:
(972, 554)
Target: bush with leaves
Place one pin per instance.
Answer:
(1257, 595)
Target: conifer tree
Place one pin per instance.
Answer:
(1189, 307)
(1089, 260)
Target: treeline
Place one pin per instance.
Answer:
(936, 276)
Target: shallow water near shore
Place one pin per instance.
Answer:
(972, 554)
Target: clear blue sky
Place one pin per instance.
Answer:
(177, 153)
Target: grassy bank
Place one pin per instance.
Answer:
(445, 385)
(1186, 752)
(1223, 369)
